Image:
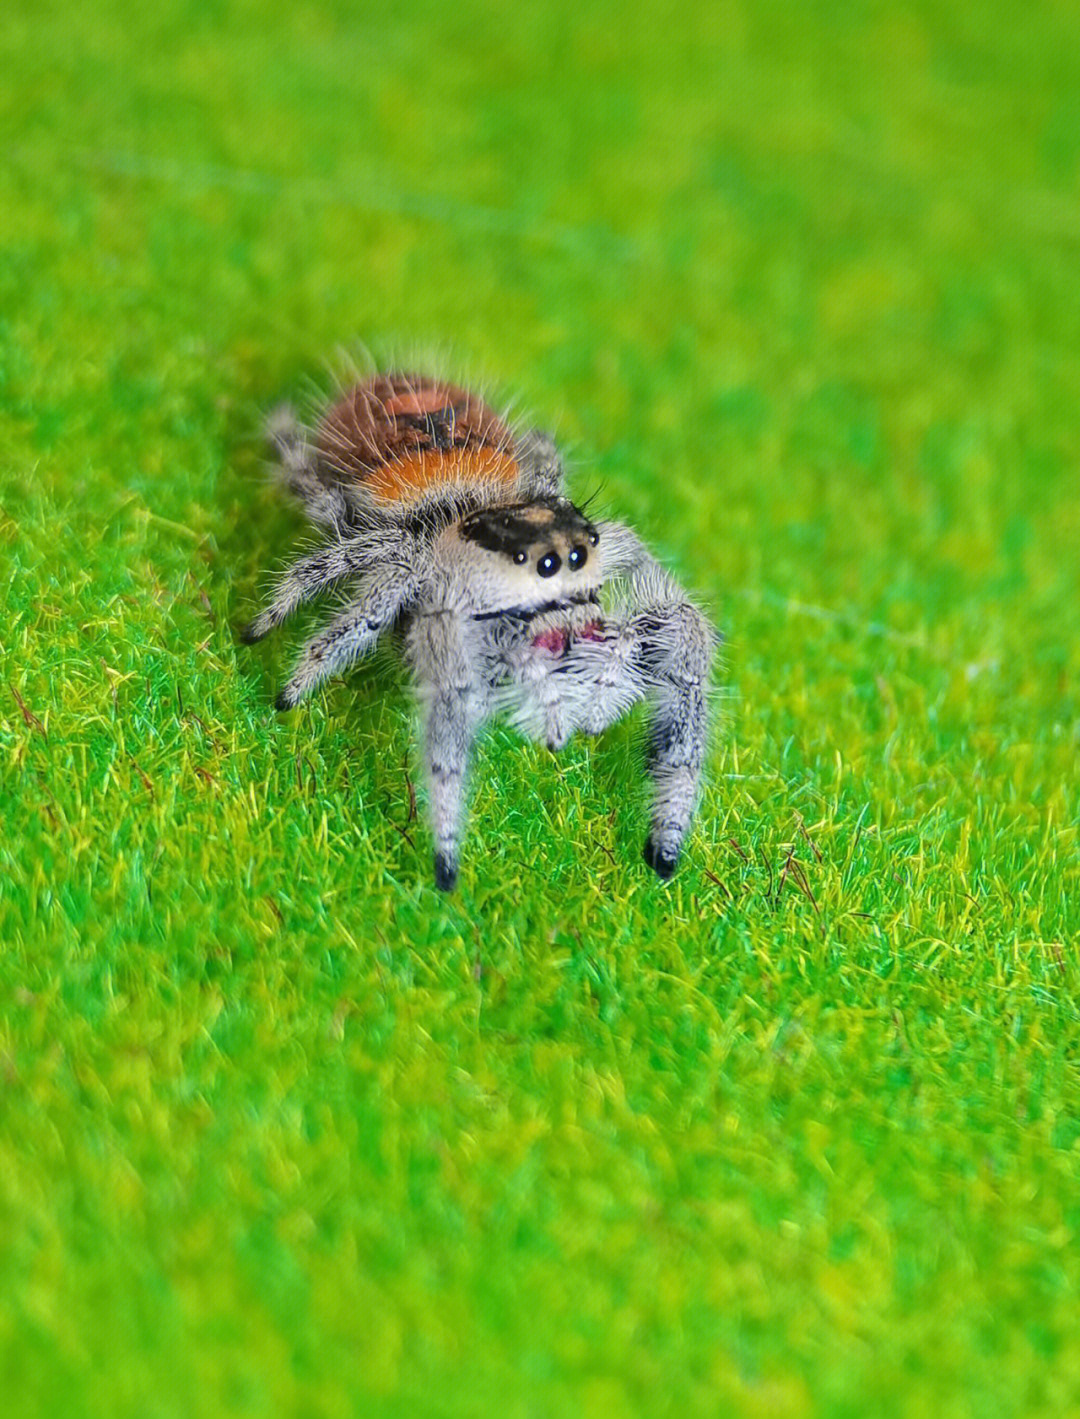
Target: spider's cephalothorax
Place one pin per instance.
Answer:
(445, 522)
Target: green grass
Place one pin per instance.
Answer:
(282, 1132)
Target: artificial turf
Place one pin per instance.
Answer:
(284, 1132)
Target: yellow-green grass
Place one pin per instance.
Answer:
(282, 1131)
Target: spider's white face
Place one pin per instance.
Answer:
(530, 555)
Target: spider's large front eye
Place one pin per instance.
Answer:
(548, 564)
(577, 559)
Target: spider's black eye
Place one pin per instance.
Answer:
(594, 537)
(521, 558)
(577, 558)
(549, 564)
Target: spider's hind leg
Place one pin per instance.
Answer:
(310, 576)
(300, 470)
(380, 597)
(541, 464)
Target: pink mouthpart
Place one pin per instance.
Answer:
(553, 641)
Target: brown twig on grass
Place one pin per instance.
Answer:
(412, 791)
(30, 719)
(722, 885)
(147, 782)
(809, 840)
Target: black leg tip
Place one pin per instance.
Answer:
(660, 862)
(284, 702)
(249, 635)
(446, 873)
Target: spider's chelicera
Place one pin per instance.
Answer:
(444, 522)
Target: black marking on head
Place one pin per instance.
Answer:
(508, 530)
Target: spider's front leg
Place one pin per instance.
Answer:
(663, 653)
(454, 704)
(675, 645)
(380, 596)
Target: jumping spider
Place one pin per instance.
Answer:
(450, 526)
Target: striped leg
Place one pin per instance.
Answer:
(319, 571)
(662, 654)
(675, 646)
(676, 652)
(299, 466)
(380, 596)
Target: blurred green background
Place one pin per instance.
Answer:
(283, 1132)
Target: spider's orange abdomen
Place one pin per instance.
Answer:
(400, 435)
